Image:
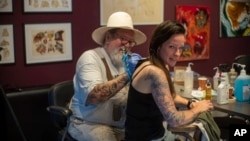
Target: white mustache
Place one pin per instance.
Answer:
(123, 49)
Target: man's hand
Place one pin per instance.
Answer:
(129, 62)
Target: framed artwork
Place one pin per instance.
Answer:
(196, 20)
(143, 12)
(47, 5)
(234, 18)
(7, 54)
(6, 6)
(48, 42)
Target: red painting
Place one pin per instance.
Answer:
(196, 20)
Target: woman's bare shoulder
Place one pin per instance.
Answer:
(149, 69)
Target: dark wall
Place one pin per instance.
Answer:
(85, 18)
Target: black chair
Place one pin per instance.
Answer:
(185, 130)
(242, 59)
(60, 95)
(16, 133)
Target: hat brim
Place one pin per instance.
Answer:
(98, 35)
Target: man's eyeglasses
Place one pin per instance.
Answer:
(125, 41)
(174, 48)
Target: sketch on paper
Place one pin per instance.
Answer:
(141, 11)
(47, 5)
(48, 42)
(196, 20)
(6, 44)
(5, 5)
(234, 18)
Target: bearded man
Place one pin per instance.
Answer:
(101, 82)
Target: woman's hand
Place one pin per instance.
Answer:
(201, 106)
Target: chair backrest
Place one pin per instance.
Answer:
(242, 59)
(60, 94)
(6, 108)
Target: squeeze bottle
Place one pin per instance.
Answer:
(216, 78)
(232, 75)
(242, 86)
(188, 79)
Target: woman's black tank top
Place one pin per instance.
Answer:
(144, 119)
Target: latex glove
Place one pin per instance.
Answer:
(129, 62)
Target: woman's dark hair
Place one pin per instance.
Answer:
(162, 33)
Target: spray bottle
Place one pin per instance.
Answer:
(188, 79)
(216, 78)
(224, 73)
(232, 75)
(242, 86)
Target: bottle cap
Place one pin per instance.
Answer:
(208, 84)
(232, 68)
(189, 66)
(217, 71)
(243, 71)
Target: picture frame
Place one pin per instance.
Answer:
(179, 74)
(234, 18)
(42, 6)
(7, 54)
(6, 6)
(197, 21)
(151, 12)
(48, 42)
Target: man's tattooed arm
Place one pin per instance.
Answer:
(106, 90)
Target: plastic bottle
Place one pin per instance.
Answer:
(216, 78)
(208, 95)
(224, 77)
(222, 93)
(224, 72)
(232, 75)
(242, 86)
(188, 80)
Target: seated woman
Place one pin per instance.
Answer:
(152, 98)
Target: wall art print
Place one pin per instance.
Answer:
(48, 42)
(6, 6)
(234, 18)
(143, 12)
(6, 44)
(47, 5)
(196, 20)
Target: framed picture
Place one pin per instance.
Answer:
(48, 42)
(179, 74)
(47, 5)
(6, 6)
(7, 54)
(234, 18)
(196, 20)
(143, 12)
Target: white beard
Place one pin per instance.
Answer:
(116, 58)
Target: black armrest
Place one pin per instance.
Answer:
(59, 111)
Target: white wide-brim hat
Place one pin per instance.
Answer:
(118, 20)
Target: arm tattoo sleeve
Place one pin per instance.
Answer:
(106, 90)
